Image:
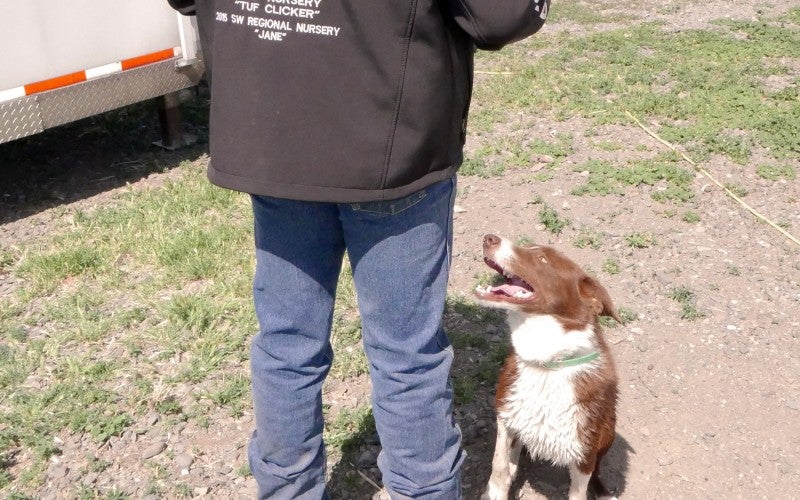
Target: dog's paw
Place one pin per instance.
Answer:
(493, 493)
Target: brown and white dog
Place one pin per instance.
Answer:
(557, 391)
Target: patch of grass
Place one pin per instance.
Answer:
(244, 470)
(96, 464)
(525, 241)
(480, 163)
(625, 315)
(736, 189)
(691, 217)
(465, 389)
(169, 406)
(686, 298)
(601, 181)
(488, 369)
(5, 476)
(560, 148)
(116, 494)
(105, 425)
(580, 14)
(16, 364)
(47, 270)
(350, 360)
(711, 98)
(552, 221)
(776, 172)
(350, 428)
(7, 259)
(640, 240)
(183, 490)
(611, 266)
(588, 238)
(463, 340)
(193, 252)
(605, 178)
(608, 146)
(492, 160)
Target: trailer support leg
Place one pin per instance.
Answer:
(169, 116)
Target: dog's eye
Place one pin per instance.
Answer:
(543, 259)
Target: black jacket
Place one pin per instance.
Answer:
(346, 100)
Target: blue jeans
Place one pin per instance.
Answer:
(399, 251)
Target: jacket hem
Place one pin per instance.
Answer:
(325, 194)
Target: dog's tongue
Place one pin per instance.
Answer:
(509, 289)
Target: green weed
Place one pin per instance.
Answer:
(552, 221)
(625, 315)
(611, 266)
(691, 217)
(686, 298)
(606, 178)
(492, 160)
(640, 240)
(736, 189)
(244, 470)
(183, 490)
(350, 427)
(588, 238)
(776, 172)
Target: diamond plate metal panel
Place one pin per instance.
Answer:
(19, 118)
(111, 92)
(33, 114)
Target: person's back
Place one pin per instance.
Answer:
(346, 101)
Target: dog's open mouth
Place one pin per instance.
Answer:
(514, 287)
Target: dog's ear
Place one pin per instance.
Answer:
(597, 297)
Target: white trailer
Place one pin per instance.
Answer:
(63, 61)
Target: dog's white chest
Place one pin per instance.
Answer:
(541, 410)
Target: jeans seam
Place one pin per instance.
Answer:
(419, 196)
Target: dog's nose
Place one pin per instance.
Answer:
(490, 240)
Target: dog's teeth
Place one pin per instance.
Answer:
(522, 294)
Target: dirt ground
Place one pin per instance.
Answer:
(708, 407)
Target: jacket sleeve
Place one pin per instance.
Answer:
(185, 7)
(495, 23)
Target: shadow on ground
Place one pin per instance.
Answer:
(91, 156)
(553, 482)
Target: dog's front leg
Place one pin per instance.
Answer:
(579, 482)
(504, 465)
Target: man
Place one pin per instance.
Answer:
(345, 120)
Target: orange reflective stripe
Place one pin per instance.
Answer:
(148, 58)
(80, 76)
(54, 83)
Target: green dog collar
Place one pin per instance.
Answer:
(564, 363)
